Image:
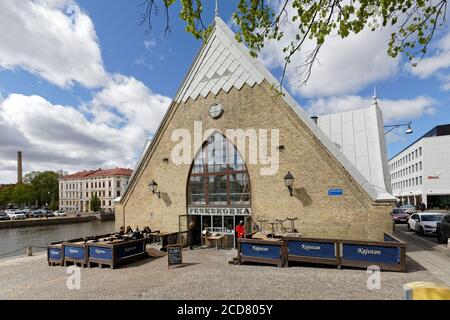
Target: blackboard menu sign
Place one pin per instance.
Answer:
(174, 255)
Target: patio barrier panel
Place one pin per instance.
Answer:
(115, 253)
(387, 255)
(312, 250)
(261, 251)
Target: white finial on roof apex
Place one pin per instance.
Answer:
(375, 98)
(217, 8)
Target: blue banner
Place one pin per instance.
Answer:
(261, 250)
(389, 255)
(130, 250)
(100, 253)
(74, 252)
(55, 254)
(311, 249)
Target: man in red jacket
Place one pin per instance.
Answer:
(240, 230)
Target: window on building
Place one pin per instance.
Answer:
(109, 193)
(103, 184)
(118, 184)
(420, 151)
(218, 175)
(109, 184)
(118, 193)
(420, 180)
(420, 165)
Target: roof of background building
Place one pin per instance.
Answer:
(99, 173)
(438, 131)
(359, 135)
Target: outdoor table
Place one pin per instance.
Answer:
(216, 239)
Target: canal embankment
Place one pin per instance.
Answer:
(54, 221)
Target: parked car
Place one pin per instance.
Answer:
(4, 216)
(424, 223)
(49, 213)
(36, 214)
(60, 214)
(26, 213)
(15, 215)
(443, 229)
(400, 216)
(409, 208)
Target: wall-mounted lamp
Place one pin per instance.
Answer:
(154, 188)
(289, 181)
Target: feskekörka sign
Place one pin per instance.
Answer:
(208, 211)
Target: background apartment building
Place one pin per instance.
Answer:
(421, 172)
(77, 190)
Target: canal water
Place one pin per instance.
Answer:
(17, 238)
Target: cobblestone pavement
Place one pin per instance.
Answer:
(207, 275)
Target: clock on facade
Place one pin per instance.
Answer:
(216, 110)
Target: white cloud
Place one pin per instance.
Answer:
(56, 137)
(393, 110)
(344, 65)
(55, 40)
(435, 64)
(40, 37)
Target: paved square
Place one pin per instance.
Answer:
(207, 275)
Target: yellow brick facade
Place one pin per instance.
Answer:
(351, 216)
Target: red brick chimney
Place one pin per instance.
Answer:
(19, 167)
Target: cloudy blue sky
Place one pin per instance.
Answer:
(82, 84)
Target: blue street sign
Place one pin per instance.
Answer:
(335, 192)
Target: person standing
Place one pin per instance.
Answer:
(240, 230)
(423, 207)
(191, 235)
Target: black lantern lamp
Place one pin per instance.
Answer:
(154, 188)
(289, 181)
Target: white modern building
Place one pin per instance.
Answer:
(359, 134)
(77, 190)
(421, 172)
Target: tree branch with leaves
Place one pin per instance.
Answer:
(415, 23)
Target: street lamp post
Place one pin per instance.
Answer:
(395, 126)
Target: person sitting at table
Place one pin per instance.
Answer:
(147, 230)
(129, 230)
(121, 231)
(136, 234)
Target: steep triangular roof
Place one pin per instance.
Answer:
(222, 64)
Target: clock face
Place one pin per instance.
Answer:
(215, 111)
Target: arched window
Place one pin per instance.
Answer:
(218, 176)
